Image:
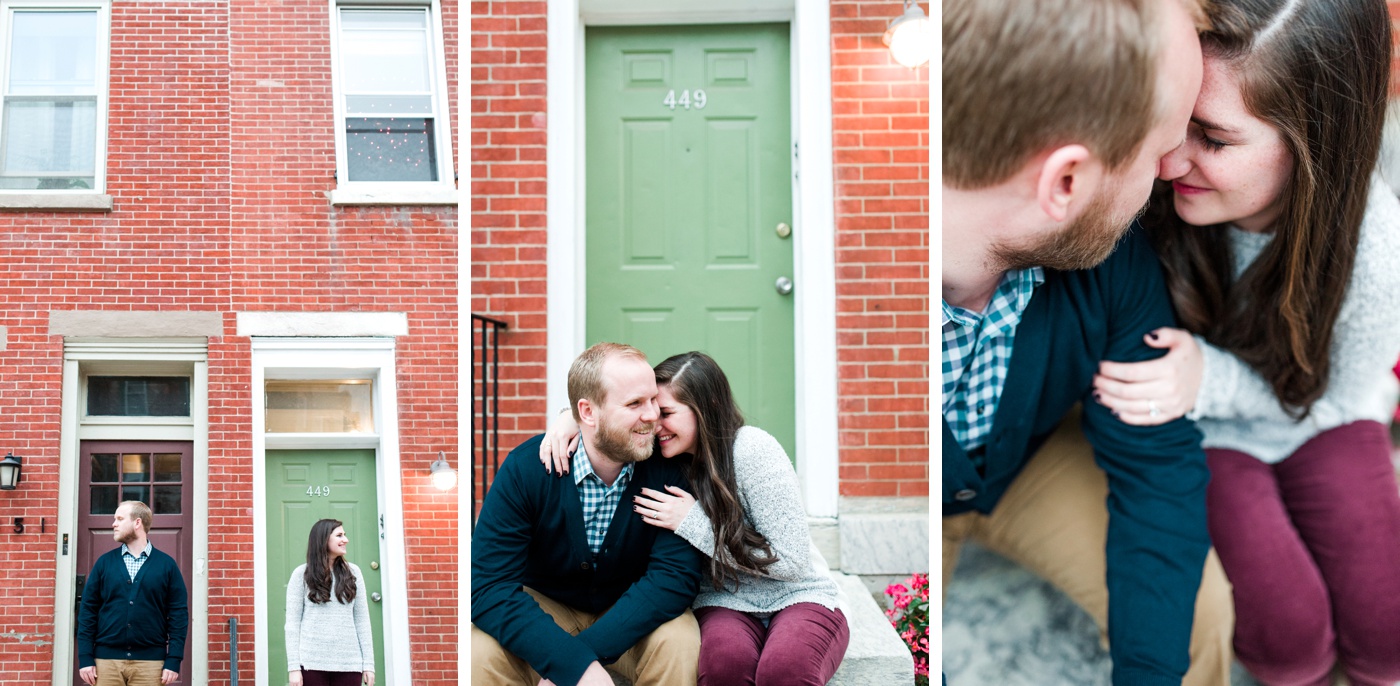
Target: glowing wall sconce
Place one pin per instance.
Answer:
(910, 36)
(443, 475)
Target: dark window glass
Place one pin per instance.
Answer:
(104, 468)
(390, 149)
(104, 500)
(167, 500)
(141, 493)
(139, 396)
(167, 467)
(136, 467)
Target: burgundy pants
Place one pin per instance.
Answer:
(312, 677)
(802, 645)
(1312, 548)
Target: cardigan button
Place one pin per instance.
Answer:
(584, 566)
(965, 495)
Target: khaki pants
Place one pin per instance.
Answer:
(667, 656)
(1053, 521)
(129, 672)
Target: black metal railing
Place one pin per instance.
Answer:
(486, 405)
(233, 651)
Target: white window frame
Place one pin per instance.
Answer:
(67, 198)
(440, 192)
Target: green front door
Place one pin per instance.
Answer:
(304, 486)
(689, 203)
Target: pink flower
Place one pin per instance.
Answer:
(895, 589)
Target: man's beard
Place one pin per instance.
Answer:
(615, 442)
(1087, 241)
(127, 537)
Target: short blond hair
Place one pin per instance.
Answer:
(586, 373)
(141, 511)
(1023, 76)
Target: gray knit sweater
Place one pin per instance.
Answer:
(332, 636)
(772, 503)
(1236, 408)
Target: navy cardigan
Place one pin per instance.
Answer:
(530, 533)
(1157, 540)
(122, 619)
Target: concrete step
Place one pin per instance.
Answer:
(875, 654)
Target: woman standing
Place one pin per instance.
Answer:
(328, 633)
(1280, 249)
(770, 613)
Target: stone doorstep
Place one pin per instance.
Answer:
(875, 654)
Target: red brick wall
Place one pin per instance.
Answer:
(220, 204)
(508, 203)
(881, 138)
(880, 121)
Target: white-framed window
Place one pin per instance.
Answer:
(393, 135)
(53, 96)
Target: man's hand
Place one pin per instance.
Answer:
(168, 677)
(88, 675)
(595, 675)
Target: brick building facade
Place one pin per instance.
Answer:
(860, 207)
(189, 210)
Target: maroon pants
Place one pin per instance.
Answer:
(1312, 548)
(803, 644)
(312, 677)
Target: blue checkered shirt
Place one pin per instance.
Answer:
(134, 562)
(976, 355)
(599, 500)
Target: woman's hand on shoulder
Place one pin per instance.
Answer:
(1154, 391)
(560, 440)
(666, 510)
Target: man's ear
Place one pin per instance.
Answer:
(1068, 179)
(587, 413)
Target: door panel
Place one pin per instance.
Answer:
(304, 486)
(158, 473)
(688, 176)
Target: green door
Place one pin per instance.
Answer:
(689, 200)
(304, 486)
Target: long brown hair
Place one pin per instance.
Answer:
(697, 382)
(1318, 72)
(319, 563)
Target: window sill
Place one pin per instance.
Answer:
(394, 196)
(49, 202)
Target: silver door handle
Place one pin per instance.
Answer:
(784, 285)
(376, 597)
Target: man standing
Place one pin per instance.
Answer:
(1055, 116)
(563, 580)
(135, 613)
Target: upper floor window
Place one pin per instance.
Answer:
(391, 97)
(53, 83)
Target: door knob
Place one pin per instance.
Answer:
(783, 230)
(376, 597)
(783, 285)
(374, 564)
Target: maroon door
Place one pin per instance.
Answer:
(157, 473)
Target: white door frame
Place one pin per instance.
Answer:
(813, 211)
(338, 358)
(81, 357)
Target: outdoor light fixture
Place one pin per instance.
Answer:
(910, 36)
(9, 472)
(443, 475)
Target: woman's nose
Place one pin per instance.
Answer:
(1174, 164)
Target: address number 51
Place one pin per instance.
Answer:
(686, 99)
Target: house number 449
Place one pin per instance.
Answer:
(686, 99)
(318, 491)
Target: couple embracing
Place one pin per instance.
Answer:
(669, 502)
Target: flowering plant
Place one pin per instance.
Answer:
(910, 618)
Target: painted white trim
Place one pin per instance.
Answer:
(369, 358)
(328, 324)
(81, 198)
(814, 222)
(415, 192)
(81, 358)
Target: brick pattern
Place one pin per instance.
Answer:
(220, 204)
(508, 204)
(880, 139)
